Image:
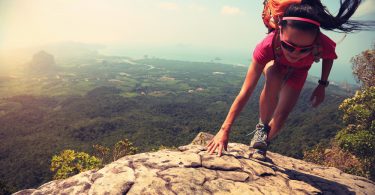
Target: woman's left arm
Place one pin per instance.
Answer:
(318, 95)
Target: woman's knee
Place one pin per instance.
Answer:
(273, 73)
(273, 78)
(267, 66)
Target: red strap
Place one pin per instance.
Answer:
(276, 45)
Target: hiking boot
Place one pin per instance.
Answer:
(259, 154)
(259, 140)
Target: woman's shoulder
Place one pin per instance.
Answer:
(325, 40)
(263, 52)
(328, 47)
(267, 40)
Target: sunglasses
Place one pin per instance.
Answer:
(291, 48)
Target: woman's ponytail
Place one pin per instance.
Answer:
(340, 22)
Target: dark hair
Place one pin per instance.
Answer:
(315, 10)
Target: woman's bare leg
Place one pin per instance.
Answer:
(287, 100)
(270, 93)
(277, 99)
(276, 102)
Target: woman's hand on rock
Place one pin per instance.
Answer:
(220, 142)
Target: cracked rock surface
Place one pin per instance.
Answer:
(191, 170)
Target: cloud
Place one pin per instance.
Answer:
(197, 8)
(228, 10)
(169, 6)
(367, 7)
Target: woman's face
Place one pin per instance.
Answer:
(293, 37)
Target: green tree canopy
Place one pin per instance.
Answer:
(69, 163)
(358, 136)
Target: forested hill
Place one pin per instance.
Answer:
(151, 102)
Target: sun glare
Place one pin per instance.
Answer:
(30, 23)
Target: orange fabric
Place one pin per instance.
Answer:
(274, 10)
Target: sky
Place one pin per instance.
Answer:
(182, 29)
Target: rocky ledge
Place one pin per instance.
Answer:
(191, 170)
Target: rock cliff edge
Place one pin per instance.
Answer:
(191, 170)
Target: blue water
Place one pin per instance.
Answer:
(341, 72)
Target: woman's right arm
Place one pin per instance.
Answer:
(254, 72)
(220, 140)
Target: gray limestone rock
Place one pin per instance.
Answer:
(191, 170)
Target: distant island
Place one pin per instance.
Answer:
(42, 61)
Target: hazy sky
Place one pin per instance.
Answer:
(225, 25)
